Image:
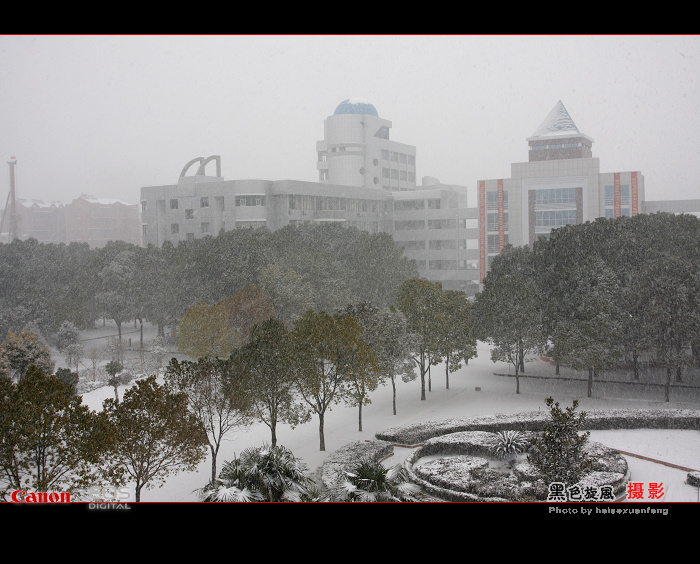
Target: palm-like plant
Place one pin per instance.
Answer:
(370, 481)
(507, 443)
(267, 473)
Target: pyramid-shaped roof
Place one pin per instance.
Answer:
(557, 124)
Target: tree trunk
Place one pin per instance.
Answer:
(590, 382)
(213, 463)
(119, 329)
(668, 384)
(447, 373)
(137, 491)
(322, 440)
(393, 398)
(635, 365)
(359, 417)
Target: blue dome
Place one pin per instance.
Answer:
(355, 106)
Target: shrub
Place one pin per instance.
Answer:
(505, 443)
(559, 451)
(262, 474)
(369, 480)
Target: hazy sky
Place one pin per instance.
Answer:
(106, 115)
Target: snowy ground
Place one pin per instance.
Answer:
(496, 394)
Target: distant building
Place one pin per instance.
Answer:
(560, 184)
(366, 181)
(45, 222)
(97, 221)
(86, 219)
(356, 150)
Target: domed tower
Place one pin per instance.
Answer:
(356, 150)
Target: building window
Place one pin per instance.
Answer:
(205, 227)
(555, 218)
(442, 265)
(190, 236)
(204, 202)
(412, 245)
(174, 228)
(408, 205)
(409, 224)
(173, 204)
(442, 244)
(145, 229)
(442, 224)
(555, 196)
(143, 207)
(189, 214)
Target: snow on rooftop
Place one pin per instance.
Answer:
(558, 123)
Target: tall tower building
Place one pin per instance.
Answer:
(356, 150)
(561, 184)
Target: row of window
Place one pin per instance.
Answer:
(439, 244)
(409, 224)
(555, 218)
(492, 221)
(492, 200)
(413, 205)
(395, 174)
(446, 265)
(255, 200)
(397, 157)
(555, 196)
(555, 146)
(624, 195)
(329, 203)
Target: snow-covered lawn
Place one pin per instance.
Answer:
(474, 390)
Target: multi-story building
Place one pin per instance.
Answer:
(357, 151)
(366, 180)
(97, 221)
(43, 221)
(560, 184)
(85, 220)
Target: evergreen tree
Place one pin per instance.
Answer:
(23, 350)
(559, 452)
(507, 313)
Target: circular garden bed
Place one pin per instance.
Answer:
(463, 467)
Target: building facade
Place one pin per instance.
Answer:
(86, 219)
(96, 221)
(561, 184)
(366, 181)
(356, 150)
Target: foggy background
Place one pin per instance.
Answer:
(106, 115)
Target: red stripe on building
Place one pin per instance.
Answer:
(634, 189)
(482, 231)
(618, 205)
